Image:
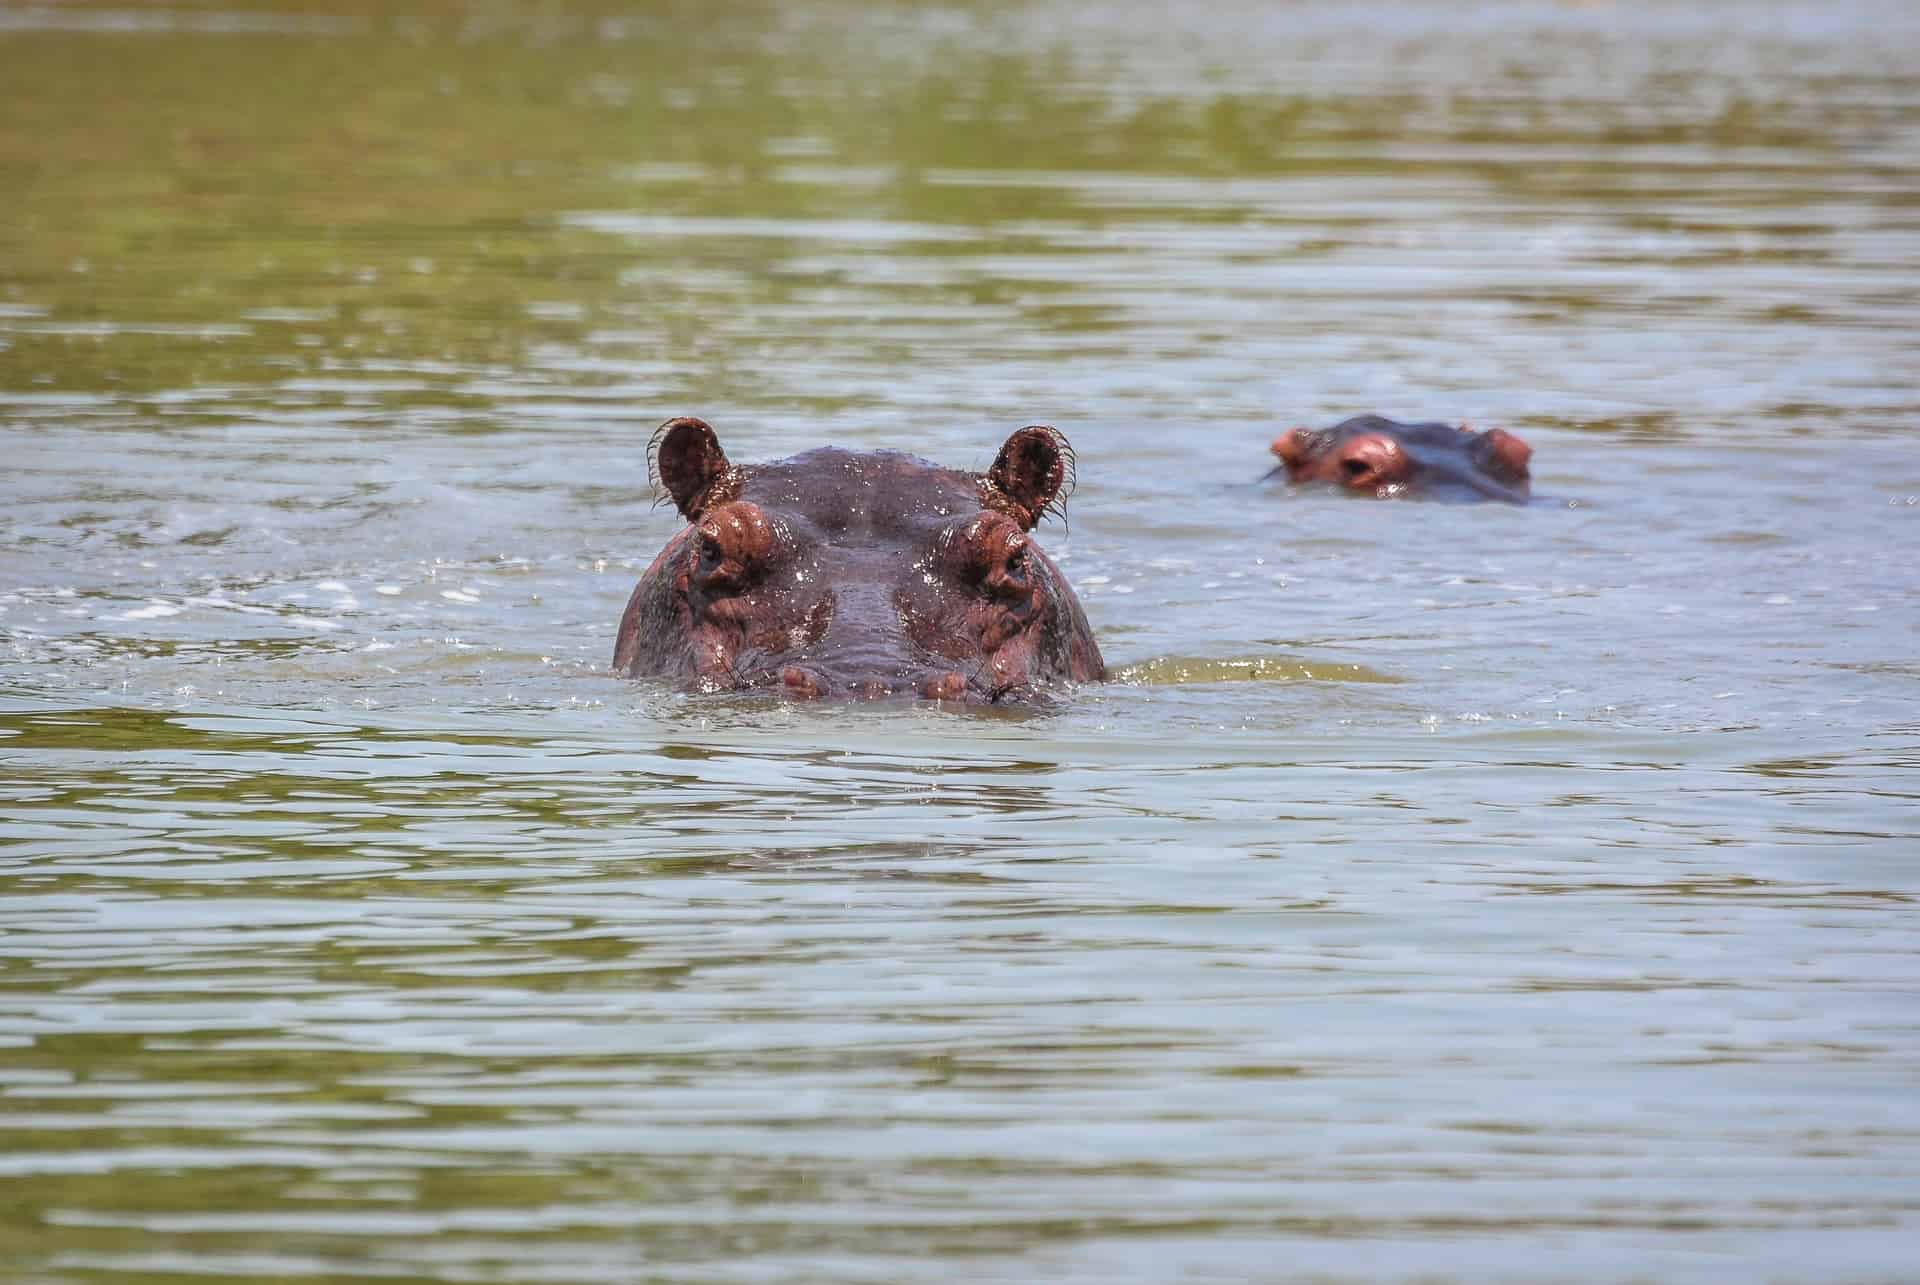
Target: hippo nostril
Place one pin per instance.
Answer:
(799, 684)
(1355, 469)
(951, 686)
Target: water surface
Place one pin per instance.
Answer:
(1458, 891)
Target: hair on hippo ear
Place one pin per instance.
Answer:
(1033, 474)
(684, 458)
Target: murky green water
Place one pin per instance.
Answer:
(1445, 892)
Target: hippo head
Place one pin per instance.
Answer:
(1378, 456)
(862, 574)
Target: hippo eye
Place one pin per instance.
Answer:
(989, 552)
(1019, 562)
(733, 546)
(1356, 468)
(711, 568)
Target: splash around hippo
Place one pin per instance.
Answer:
(858, 574)
(1377, 456)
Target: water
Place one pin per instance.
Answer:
(1442, 891)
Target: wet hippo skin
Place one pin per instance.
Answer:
(859, 574)
(1373, 455)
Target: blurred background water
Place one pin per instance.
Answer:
(1442, 892)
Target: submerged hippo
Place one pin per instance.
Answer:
(865, 574)
(1379, 456)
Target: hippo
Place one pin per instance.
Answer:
(1378, 456)
(861, 574)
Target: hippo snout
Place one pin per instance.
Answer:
(803, 682)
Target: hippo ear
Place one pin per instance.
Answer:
(1034, 473)
(1510, 451)
(687, 460)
